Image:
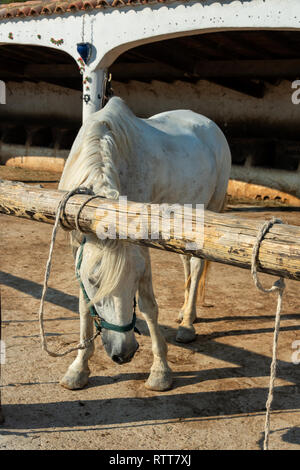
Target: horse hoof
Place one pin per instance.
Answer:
(75, 381)
(159, 381)
(185, 335)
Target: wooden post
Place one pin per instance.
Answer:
(93, 89)
(227, 239)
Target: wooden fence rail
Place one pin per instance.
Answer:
(227, 239)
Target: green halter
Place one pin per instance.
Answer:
(99, 321)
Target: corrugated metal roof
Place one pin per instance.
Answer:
(37, 7)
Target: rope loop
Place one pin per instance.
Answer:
(278, 286)
(61, 215)
(254, 261)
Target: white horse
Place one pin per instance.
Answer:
(173, 157)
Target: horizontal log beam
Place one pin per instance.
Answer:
(228, 239)
(145, 71)
(208, 69)
(286, 181)
(269, 68)
(162, 70)
(162, 64)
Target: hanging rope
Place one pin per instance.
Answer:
(82, 27)
(278, 287)
(62, 220)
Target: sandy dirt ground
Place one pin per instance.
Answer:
(220, 380)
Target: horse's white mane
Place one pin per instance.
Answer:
(104, 139)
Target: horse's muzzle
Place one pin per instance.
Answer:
(120, 359)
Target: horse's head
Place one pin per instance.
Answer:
(109, 275)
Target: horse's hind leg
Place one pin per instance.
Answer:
(78, 372)
(186, 332)
(160, 377)
(187, 276)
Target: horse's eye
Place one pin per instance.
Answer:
(93, 280)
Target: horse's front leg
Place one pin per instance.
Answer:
(160, 377)
(78, 372)
(186, 332)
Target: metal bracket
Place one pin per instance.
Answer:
(86, 98)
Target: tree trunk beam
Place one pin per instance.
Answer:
(228, 239)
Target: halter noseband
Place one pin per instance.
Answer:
(99, 322)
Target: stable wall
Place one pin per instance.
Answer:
(236, 113)
(43, 119)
